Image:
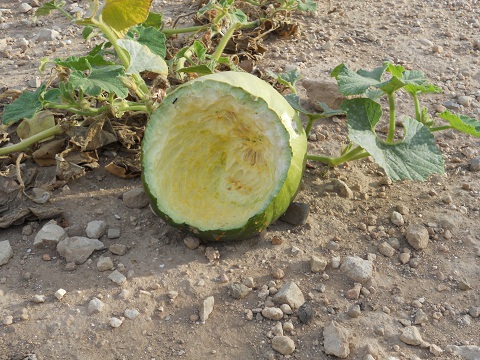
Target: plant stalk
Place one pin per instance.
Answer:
(440, 128)
(26, 143)
(416, 102)
(354, 154)
(391, 126)
(223, 42)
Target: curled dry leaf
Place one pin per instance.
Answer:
(125, 167)
(98, 134)
(45, 155)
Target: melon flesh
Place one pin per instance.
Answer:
(215, 157)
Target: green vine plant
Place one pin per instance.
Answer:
(109, 81)
(415, 156)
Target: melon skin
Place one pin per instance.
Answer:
(248, 86)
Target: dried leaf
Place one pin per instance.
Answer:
(97, 135)
(66, 170)
(41, 121)
(45, 155)
(15, 217)
(129, 136)
(124, 167)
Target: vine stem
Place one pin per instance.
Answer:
(440, 128)
(354, 154)
(416, 102)
(223, 42)
(391, 126)
(26, 143)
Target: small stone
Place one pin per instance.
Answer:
(96, 229)
(49, 235)
(475, 164)
(239, 291)
(276, 240)
(342, 189)
(437, 49)
(417, 236)
(77, 249)
(283, 344)
(104, 264)
(206, 308)
(288, 326)
(296, 214)
(335, 262)
(6, 252)
(354, 311)
(272, 313)
(411, 336)
(118, 249)
(115, 322)
(397, 219)
(248, 314)
(70, 266)
(379, 330)
(317, 265)
(212, 254)
(305, 313)
(435, 350)
(386, 249)
(464, 285)
(60, 293)
(113, 233)
(465, 100)
(404, 257)
(191, 242)
(287, 310)
(249, 282)
(474, 311)
(95, 306)
(135, 198)
(7, 320)
(402, 209)
(117, 277)
(447, 199)
(24, 7)
(357, 269)
(354, 293)
(289, 294)
(46, 257)
(420, 317)
(336, 340)
(277, 329)
(278, 273)
(38, 299)
(131, 313)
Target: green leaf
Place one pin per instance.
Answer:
(83, 63)
(238, 16)
(462, 123)
(52, 96)
(391, 85)
(200, 50)
(24, 107)
(153, 20)
(121, 15)
(153, 38)
(87, 32)
(48, 7)
(142, 59)
(356, 83)
(307, 6)
(415, 157)
(198, 69)
(105, 78)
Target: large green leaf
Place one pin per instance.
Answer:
(24, 107)
(415, 157)
(84, 62)
(105, 78)
(121, 15)
(462, 123)
(307, 5)
(153, 38)
(356, 83)
(142, 59)
(154, 20)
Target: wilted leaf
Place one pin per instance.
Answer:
(124, 167)
(67, 171)
(142, 59)
(96, 135)
(45, 155)
(123, 14)
(41, 121)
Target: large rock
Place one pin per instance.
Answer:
(417, 236)
(135, 198)
(77, 249)
(283, 344)
(96, 229)
(467, 352)
(49, 235)
(289, 294)
(357, 269)
(6, 252)
(336, 340)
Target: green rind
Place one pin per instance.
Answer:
(298, 144)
